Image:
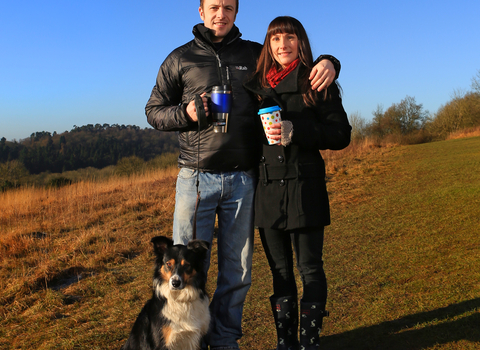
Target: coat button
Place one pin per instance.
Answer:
(282, 182)
(280, 159)
(262, 159)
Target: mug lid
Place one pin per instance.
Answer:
(222, 88)
(269, 110)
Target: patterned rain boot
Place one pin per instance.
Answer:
(311, 320)
(285, 313)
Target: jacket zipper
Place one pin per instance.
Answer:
(222, 82)
(220, 70)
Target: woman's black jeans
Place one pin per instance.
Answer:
(308, 246)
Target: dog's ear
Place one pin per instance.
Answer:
(199, 246)
(161, 244)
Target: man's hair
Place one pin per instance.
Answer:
(236, 10)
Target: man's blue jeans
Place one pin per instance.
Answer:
(230, 195)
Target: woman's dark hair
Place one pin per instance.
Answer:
(287, 25)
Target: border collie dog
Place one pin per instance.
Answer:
(177, 316)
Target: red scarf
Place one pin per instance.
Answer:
(274, 77)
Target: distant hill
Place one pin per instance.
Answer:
(87, 146)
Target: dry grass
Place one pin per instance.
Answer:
(470, 132)
(49, 236)
(76, 262)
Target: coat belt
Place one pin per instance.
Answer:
(289, 171)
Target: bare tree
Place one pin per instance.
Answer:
(476, 82)
(400, 118)
(359, 126)
(463, 111)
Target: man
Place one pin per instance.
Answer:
(226, 161)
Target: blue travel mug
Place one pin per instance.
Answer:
(221, 105)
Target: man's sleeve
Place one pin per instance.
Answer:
(164, 109)
(335, 62)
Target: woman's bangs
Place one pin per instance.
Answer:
(281, 26)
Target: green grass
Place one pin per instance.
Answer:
(401, 258)
(403, 261)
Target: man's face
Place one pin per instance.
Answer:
(219, 16)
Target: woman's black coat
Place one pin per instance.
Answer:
(291, 191)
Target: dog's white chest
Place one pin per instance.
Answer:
(189, 322)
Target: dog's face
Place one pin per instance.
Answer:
(178, 265)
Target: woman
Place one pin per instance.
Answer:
(291, 202)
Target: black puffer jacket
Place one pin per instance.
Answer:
(195, 68)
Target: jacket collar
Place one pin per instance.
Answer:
(288, 85)
(205, 34)
(290, 82)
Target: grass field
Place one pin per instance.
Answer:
(401, 255)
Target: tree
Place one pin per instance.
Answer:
(409, 115)
(4, 149)
(87, 146)
(401, 118)
(476, 83)
(358, 126)
(12, 172)
(463, 111)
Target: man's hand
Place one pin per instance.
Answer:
(192, 111)
(322, 75)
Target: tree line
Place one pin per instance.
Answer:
(95, 146)
(407, 122)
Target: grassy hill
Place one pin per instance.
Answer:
(401, 255)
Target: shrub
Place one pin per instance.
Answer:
(5, 185)
(130, 165)
(12, 172)
(163, 161)
(463, 111)
(59, 181)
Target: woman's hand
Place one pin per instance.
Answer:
(275, 132)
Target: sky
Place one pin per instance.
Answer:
(68, 63)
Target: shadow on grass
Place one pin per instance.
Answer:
(414, 332)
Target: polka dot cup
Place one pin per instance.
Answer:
(269, 116)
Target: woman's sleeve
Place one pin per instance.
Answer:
(329, 129)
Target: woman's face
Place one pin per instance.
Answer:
(284, 48)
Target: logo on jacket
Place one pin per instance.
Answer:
(241, 68)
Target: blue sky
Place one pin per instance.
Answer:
(66, 63)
